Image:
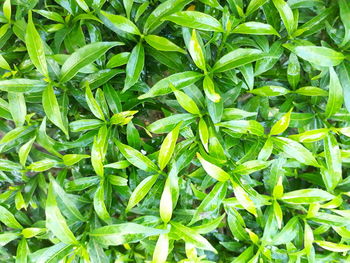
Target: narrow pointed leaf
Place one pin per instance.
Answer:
(35, 47)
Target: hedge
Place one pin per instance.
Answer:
(174, 131)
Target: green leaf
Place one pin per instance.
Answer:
(213, 170)
(128, 6)
(237, 58)
(99, 205)
(161, 250)
(266, 150)
(196, 20)
(321, 56)
(251, 167)
(7, 9)
(334, 162)
(308, 238)
(4, 109)
(295, 150)
(85, 124)
(168, 146)
(270, 91)
(134, 66)
(114, 235)
(306, 196)
(154, 20)
(166, 202)
(203, 133)
(92, 103)
(311, 91)
(191, 236)
(344, 10)
(282, 124)
(344, 77)
(117, 180)
(335, 97)
(55, 221)
(3, 62)
(32, 231)
(50, 15)
(42, 165)
(122, 118)
(186, 102)
(288, 232)
(83, 5)
(252, 236)
(82, 183)
(98, 150)
(332, 246)
(209, 89)
(98, 78)
(83, 57)
(196, 51)
(96, 252)
(52, 109)
(136, 158)
(210, 226)
(212, 3)
(163, 44)
(329, 219)
(167, 124)
(35, 47)
(113, 99)
(277, 210)
(71, 159)
(293, 70)
(118, 60)
(178, 80)
(118, 165)
(24, 151)
(141, 191)
(17, 107)
(243, 126)
(255, 28)
(122, 23)
(345, 131)
(286, 14)
(66, 200)
(210, 203)
(7, 238)
(310, 136)
(4, 30)
(278, 188)
(315, 22)
(9, 166)
(22, 251)
(45, 141)
(50, 254)
(254, 5)
(7, 218)
(13, 135)
(243, 198)
(245, 255)
(22, 85)
(169, 196)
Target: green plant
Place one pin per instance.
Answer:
(176, 130)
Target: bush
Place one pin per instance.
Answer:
(175, 130)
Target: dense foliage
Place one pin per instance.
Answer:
(176, 130)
